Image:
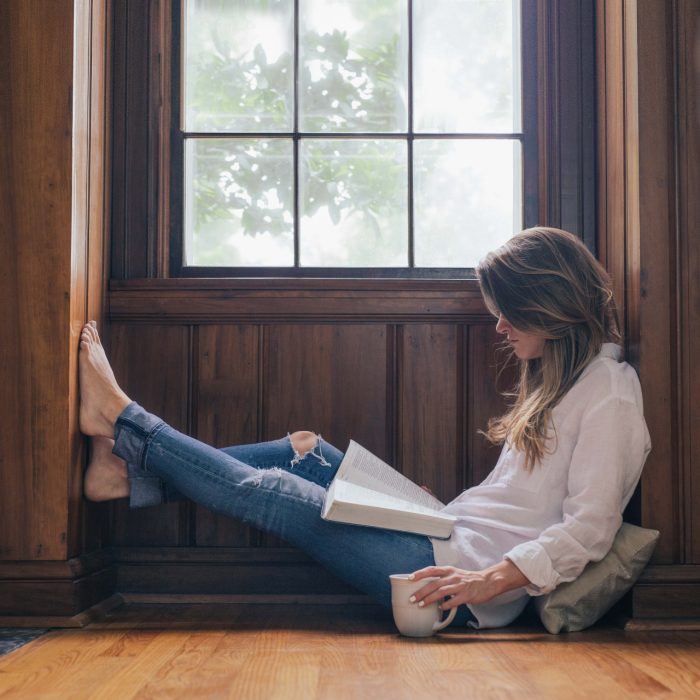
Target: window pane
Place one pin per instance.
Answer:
(353, 62)
(238, 202)
(353, 203)
(466, 199)
(466, 58)
(238, 67)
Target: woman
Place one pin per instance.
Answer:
(574, 443)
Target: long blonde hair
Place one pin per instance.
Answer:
(545, 282)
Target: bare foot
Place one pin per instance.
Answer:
(101, 399)
(106, 475)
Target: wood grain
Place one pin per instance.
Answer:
(327, 378)
(639, 118)
(88, 526)
(658, 341)
(430, 406)
(286, 301)
(320, 651)
(485, 383)
(152, 365)
(226, 411)
(689, 225)
(35, 243)
(45, 235)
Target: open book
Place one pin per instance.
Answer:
(367, 491)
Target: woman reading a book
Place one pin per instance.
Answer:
(574, 443)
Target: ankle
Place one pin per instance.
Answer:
(115, 408)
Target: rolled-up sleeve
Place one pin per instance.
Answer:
(605, 465)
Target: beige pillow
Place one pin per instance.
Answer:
(578, 604)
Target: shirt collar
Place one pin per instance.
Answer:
(611, 350)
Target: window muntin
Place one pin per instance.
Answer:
(360, 187)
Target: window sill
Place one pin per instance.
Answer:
(256, 300)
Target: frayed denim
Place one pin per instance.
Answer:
(271, 487)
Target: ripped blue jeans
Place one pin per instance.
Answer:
(272, 488)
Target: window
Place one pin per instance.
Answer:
(347, 137)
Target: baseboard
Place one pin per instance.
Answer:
(223, 571)
(59, 590)
(662, 625)
(75, 592)
(667, 593)
(267, 599)
(82, 619)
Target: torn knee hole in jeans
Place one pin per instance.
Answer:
(316, 451)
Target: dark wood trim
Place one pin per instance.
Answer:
(63, 596)
(81, 619)
(249, 598)
(531, 17)
(71, 568)
(566, 117)
(667, 601)
(687, 67)
(199, 570)
(671, 573)
(208, 301)
(209, 555)
(160, 126)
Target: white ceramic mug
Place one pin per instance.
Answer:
(410, 619)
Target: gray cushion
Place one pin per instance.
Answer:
(578, 604)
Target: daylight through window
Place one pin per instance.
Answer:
(350, 133)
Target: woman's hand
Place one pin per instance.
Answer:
(467, 586)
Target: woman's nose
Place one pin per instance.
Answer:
(502, 326)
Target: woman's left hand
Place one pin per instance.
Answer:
(461, 586)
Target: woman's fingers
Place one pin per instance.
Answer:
(453, 589)
(430, 571)
(455, 584)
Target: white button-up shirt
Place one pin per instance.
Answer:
(550, 522)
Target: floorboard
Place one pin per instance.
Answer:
(216, 650)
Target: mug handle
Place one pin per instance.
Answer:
(441, 625)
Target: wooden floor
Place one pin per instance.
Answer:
(331, 651)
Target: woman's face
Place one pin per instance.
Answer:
(525, 345)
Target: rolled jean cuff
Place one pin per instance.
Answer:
(132, 433)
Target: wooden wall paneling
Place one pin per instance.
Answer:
(152, 364)
(636, 228)
(688, 80)
(430, 406)
(656, 301)
(330, 379)
(225, 408)
(36, 38)
(327, 378)
(484, 382)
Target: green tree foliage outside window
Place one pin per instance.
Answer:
(351, 125)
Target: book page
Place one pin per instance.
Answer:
(349, 503)
(361, 467)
